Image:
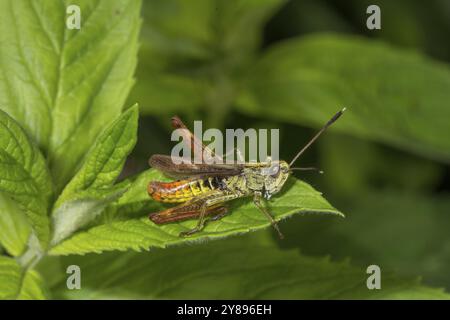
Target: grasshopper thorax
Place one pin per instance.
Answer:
(275, 176)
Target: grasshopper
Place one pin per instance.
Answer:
(203, 189)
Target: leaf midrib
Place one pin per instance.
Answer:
(25, 62)
(99, 85)
(58, 77)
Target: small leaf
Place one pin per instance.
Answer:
(14, 227)
(92, 188)
(24, 176)
(62, 85)
(392, 95)
(16, 283)
(141, 233)
(105, 160)
(236, 268)
(135, 201)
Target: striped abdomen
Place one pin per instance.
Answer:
(181, 190)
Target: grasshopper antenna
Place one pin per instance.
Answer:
(307, 169)
(329, 123)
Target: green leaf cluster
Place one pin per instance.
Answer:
(65, 137)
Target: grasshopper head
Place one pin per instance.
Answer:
(275, 178)
(277, 172)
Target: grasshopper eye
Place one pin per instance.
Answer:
(274, 171)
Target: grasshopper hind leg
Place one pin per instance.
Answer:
(217, 214)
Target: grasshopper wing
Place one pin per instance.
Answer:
(193, 141)
(165, 164)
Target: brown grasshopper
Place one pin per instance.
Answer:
(202, 189)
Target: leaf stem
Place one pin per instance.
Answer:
(30, 258)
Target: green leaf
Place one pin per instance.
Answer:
(65, 85)
(16, 283)
(162, 93)
(179, 31)
(105, 160)
(92, 188)
(188, 46)
(415, 229)
(24, 176)
(237, 268)
(376, 165)
(14, 227)
(140, 233)
(392, 95)
(399, 231)
(240, 24)
(135, 201)
(78, 212)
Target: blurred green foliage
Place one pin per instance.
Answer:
(388, 170)
(246, 267)
(240, 63)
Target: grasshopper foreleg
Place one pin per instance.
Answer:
(257, 200)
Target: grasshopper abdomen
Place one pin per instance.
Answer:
(182, 190)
